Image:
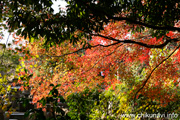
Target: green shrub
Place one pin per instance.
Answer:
(113, 102)
(80, 104)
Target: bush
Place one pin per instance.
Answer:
(80, 104)
(113, 102)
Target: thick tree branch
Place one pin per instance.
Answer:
(110, 17)
(144, 83)
(120, 41)
(138, 43)
(169, 28)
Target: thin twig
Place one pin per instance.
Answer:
(88, 47)
(144, 83)
(104, 57)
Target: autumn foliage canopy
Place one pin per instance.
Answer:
(100, 44)
(146, 69)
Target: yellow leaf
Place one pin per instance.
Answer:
(35, 65)
(37, 56)
(8, 88)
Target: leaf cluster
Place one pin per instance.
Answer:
(82, 18)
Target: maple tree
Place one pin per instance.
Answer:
(144, 69)
(102, 43)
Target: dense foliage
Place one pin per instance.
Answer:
(9, 60)
(143, 71)
(35, 18)
(103, 58)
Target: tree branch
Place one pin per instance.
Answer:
(104, 57)
(119, 41)
(169, 28)
(138, 43)
(144, 83)
(87, 47)
(110, 17)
